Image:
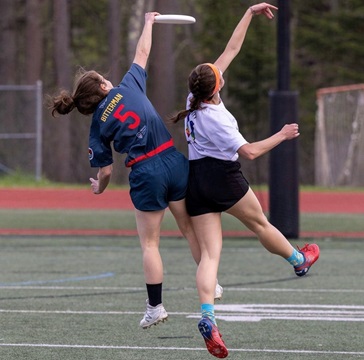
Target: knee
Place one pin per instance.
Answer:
(149, 244)
(260, 225)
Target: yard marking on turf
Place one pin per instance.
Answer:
(159, 348)
(243, 312)
(311, 312)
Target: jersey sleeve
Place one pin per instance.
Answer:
(99, 152)
(135, 78)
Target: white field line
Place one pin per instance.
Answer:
(243, 312)
(159, 348)
(308, 312)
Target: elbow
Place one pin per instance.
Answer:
(247, 152)
(143, 54)
(141, 58)
(236, 50)
(250, 156)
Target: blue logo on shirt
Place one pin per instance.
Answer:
(190, 129)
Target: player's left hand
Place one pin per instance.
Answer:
(290, 131)
(95, 186)
(263, 8)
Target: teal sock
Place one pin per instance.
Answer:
(207, 310)
(296, 258)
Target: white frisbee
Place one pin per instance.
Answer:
(174, 19)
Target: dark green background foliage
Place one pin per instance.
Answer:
(326, 50)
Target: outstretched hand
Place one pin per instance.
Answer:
(263, 8)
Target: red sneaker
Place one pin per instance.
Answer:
(311, 253)
(214, 343)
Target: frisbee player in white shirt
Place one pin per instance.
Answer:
(216, 183)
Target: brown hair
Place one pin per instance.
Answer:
(201, 83)
(86, 96)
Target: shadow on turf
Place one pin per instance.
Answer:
(174, 337)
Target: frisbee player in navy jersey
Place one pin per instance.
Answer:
(124, 116)
(216, 183)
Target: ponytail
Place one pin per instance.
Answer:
(202, 83)
(63, 103)
(87, 95)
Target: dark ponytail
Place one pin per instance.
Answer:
(86, 96)
(201, 83)
(62, 103)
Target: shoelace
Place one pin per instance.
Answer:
(304, 248)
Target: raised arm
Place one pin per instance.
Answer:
(145, 41)
(237, 38)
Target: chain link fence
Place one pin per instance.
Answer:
(21, 129)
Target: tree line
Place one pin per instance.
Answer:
(50, 40)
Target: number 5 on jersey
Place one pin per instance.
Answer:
(128, 114)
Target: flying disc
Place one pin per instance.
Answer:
(174, 19)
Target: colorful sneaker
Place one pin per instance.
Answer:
(214, 343)
(153, 315)
(218, 291)
(311, 253)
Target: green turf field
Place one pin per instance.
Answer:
(124, 219)
(82, 298)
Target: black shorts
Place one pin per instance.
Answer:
(214, 186)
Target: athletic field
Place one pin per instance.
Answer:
(81, 295)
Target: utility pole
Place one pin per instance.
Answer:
(283, 165)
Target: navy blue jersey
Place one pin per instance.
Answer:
(127, 119)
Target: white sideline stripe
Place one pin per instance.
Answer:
(72, 312)
(111, 347)
(296, 312)
(226, 289)
(240, 307)
(254, 318)
(18, 287)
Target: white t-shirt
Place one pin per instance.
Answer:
(212, 132)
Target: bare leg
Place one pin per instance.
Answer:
(148, 225)
(178, 209)
(249, 211)
(209, 233)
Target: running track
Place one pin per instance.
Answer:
(24, 198)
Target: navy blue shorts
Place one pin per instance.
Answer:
(214, 186)
(158, 180)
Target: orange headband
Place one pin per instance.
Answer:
(217, 76)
